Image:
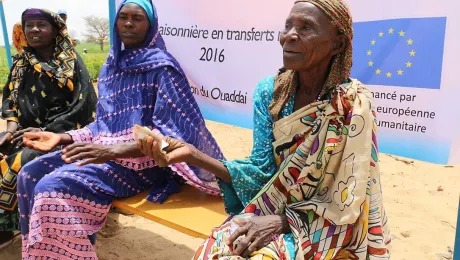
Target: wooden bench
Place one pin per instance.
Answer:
(190, 211)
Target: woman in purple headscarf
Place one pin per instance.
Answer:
(66, 195)
(48, 88)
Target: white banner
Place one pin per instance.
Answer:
(403, 50)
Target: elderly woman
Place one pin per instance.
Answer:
(66, 195)
(312, 181)
(48, 89)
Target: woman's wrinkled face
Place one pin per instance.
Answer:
(132, 25)
(39, 34)
(308, 39)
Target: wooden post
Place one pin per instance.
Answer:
(5, 35)
(112, 14)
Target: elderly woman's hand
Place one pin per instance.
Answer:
(258, 232)
(177, 151)
(88, 153)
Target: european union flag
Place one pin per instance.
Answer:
(399, 52)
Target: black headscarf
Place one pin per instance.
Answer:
(66, 70)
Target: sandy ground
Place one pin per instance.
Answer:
(421, 200)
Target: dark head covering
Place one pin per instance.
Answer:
(286, 80)
(65, 69)
(64, 55)
(33, 14)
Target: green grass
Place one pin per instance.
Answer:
(95, 57)
(93, 60)
(4, 71)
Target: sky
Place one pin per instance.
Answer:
(76, 10)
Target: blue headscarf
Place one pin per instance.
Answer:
(152, 52)
(145, 4)
(147, 86)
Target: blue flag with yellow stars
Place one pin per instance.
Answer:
(399, 52)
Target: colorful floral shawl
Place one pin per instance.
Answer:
(327, 183)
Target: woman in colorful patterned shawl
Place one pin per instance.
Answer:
(48, 89)
(313, 178)
(19, 40)
(66, 195)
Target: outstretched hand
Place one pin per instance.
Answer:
(41, 141)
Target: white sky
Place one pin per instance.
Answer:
(76, 10)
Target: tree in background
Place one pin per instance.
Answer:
(97, 29)
(72, 33)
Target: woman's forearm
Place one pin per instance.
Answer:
(129, 150)
(65, 139)
(211, 165)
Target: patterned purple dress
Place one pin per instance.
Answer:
(62, 204)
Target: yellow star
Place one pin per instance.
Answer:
(373, 42)
(400, 72)
(370, 63)
(410, 41)
(389, 74)
(380, 34)
(78, 126)
(402, 33)
(412, 53)
(408, 64)
(43, 94)
(369, 53)
(94, 114)
(378, 71)
(81, 96)
(33, 89)
(391, 30)
(38, 121)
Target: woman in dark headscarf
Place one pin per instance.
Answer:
(312, 182)
(141, 83)
(48, 89)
